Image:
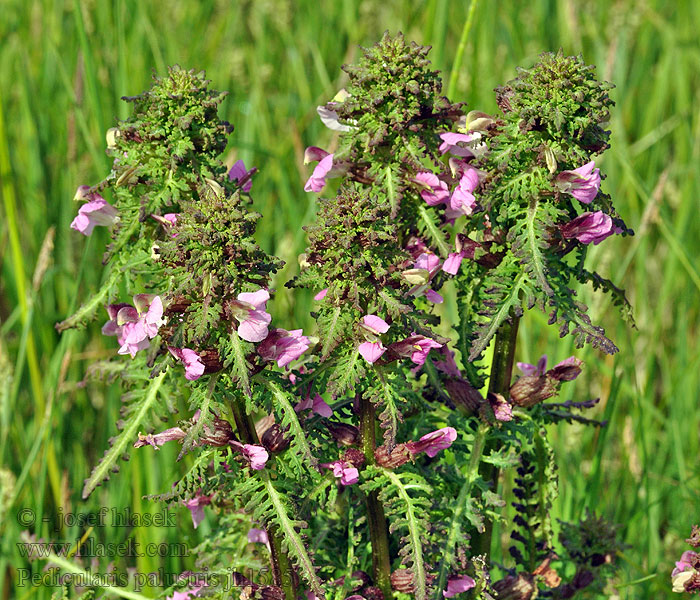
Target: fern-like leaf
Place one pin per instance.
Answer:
(120, 443)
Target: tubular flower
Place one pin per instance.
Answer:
(433, 190)
(283, 346)
(457, 585)
(582, 183)
(194, 367)
(324, 168)
(134, 326)
(249, 310)
(431, 443)
(462, 199)
(451, 141)
(416, 347)
(424, 269)
(239, 173)
(256, 456)
(317, 405)
(96, 211)
(343, 471)
(372, 327)
(590, 227)
(196, 507)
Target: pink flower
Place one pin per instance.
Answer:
(424, 269)
(371, 351)
(566, 370)
(283, 346)
(465, 249)
(194, 367)
(416, 347)
(96, 211)
(502, 409)
(158, 439)
(434, 297)
(431, 443)
(372, 327)
(434, 191)
(239, 173)
(249, 310)
(457, 585)
(590, 227)
(188, 594)
(532, 370)
(462, 199)
(582, 183)
(343, 471)
(196, 507)
(317, 405)
(448, 365)
(317, 181)
(451, 141)
(135, 326)
(321, 295)
(256, 456)
(258, 536)
(685, 563)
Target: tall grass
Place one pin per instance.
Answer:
(64, 65)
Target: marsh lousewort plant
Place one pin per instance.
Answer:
(363, 459)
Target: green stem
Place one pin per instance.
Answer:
(454, 74)
(499, 383)
(471, 477)
(281, 566)
(378, 528)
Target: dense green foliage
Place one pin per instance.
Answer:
(646, 392)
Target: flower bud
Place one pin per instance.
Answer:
(372, 593)
(531, 390)
(112, 134)
(463, 394)
(344, 434)
(219, 433)
(521, 587)
(400, 455)
(210, 358)
(273, 439)
(402, 581)
(355, 457)
(476, 120)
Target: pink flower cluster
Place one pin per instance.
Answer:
(135, 326)
(415, 347)
(435, 191)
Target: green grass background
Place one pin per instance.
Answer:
(63, 67)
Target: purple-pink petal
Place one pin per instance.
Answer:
(95, 212)
(589, 227)
(371, 351)
(375, 324)
(317, 181)
(450, 143)
(433, 190)
(194, 367)
(452, 263)
(238, 172)
(321, 295)
(434, 297)
(257, 536)
(457, 585)
(283, 346)
(582, 183)
(347, 474)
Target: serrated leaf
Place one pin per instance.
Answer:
(108, 462)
